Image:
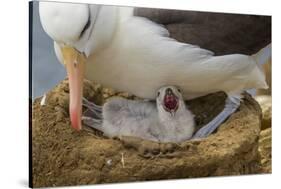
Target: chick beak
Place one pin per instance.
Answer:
(75, 65)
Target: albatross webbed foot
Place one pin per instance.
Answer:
(93, 110)
(91, 105)
(92, 117)
(92, 122)
(231, 105)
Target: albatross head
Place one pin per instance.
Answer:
(70, 26)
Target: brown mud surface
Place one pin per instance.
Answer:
(62, 156)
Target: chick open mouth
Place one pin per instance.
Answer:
(170, 102)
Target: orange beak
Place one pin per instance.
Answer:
(75, 65)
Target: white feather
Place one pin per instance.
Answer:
(141, 58)
(136, 55)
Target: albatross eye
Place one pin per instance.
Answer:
(158, 93)
(179, 90)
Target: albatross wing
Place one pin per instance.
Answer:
(148, 59)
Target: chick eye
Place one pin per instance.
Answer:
(158, 93)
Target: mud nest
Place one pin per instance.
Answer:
(62, 156)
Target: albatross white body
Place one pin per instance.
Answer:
(136, 55)
(133, 54)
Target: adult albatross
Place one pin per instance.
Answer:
(111, 46)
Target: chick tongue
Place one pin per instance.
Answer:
(170, 102)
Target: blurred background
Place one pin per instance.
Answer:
(46, 70)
